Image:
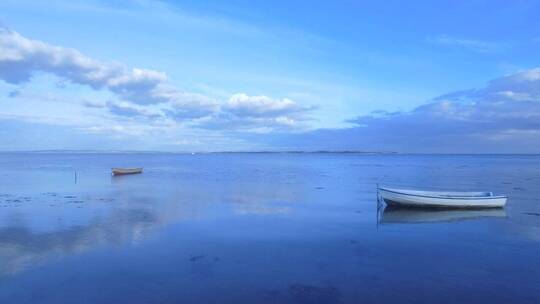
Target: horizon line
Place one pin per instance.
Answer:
(104, 151)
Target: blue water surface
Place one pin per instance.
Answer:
(263, 228)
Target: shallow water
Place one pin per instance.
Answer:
(263, 228)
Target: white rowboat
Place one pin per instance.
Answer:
(124, 171)
(441, 199)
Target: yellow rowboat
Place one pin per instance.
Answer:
(124, 171)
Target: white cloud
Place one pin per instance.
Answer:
(128, 109)
(94, 104)
(118, 130)
(260, 114)
(189, 105)
(261, 106)
(470, 44)
(21, 57)
(527, 82)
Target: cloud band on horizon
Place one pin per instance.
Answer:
(503, 117)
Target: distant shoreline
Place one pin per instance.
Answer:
(194, 152)
(248, 152)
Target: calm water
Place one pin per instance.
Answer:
(263, 228)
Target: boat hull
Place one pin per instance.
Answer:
(126, 171)
(417, 199)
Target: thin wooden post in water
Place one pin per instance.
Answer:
(378, 198)
(377, 211)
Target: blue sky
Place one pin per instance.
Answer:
(424, 76)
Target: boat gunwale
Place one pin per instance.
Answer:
(446, 197)
(119, 168)
(439, 207)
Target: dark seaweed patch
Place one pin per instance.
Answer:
(310, 294)
(195, 258)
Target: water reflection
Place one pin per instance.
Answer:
(53, 225)
(400, 215)
(21, 246)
